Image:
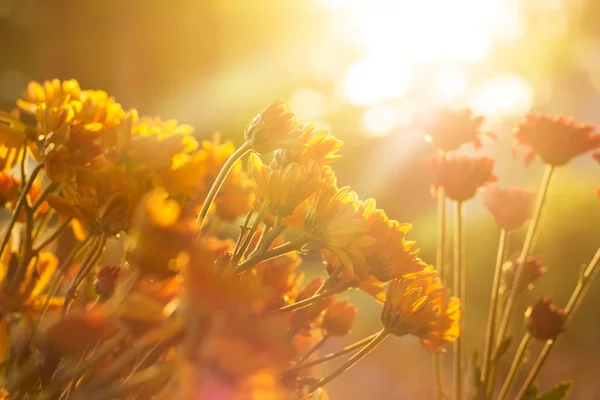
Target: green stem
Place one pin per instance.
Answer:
(510, 301)
(576, 298)
(517, 362)
(439, 261)
(353, 360)
(459, 289)
(20, 203)
(311, 300)
(492, 314)
(212, 193)
(262, 247)
(24, 166)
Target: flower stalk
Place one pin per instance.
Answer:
(583, 285)
(459, 291)
(516, 364)
(439, 261)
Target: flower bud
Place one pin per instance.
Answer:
(545, 321)
(338, 318)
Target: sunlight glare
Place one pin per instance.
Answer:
(376, 78)
(380, 120)
(450, 82)
(505, 95)
(308, 103)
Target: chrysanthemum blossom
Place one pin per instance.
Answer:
(283, 190)
(555, 140)
(52, 93)
(333, 222)
(419, 305)
(533, 269)
(391, 256)
(274, 128)
(319, 146)
(338, 318)
(448, 130)
(461, 176)
(545, 321)
(511, 206)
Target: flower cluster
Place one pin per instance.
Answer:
(194, 311)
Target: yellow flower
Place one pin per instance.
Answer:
(419, 305)
(283, 190)
(391, 256)
(274, 128)
(52, 93)
(320, 147)
(14, 134)
(333, 222)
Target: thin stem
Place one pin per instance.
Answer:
(42, 224)
(331, 356)
(439, 261)
(311, 300)
(517, 362)
(353, 360)
(262, 247)
(24, 166)
(27, 253)
(49, 189)
(55, 235)
(459, 289)
(248, 236)
(60, 273)
(20, 203)
(86, 266)
(491, 324)
(316, 347)
(212, 193)
(293, 245)
(510, 301)
(576, 298)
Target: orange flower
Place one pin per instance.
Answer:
(274, 128)
(338, 318)
(320, 147)
(511, 207)
(448, 130)
(533, 269)
(278, 274)
(52, 93)
(333, 222)
(417, 304)
(8, 190)
(14, 134)
(555, 140)
(391, 256)
(284, 190)
(160, 235)
(461, 176)
(545, 321)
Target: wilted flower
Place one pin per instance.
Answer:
(274, 128)
(283, 190)
(511, 207)
(461, 176)
(418, 304)
(555, 140)
(545, 321)
(338, 318)
(533, 269)
(448, 129)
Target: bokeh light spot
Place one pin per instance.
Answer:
(505, 95)
(380, 120)
(307, 103)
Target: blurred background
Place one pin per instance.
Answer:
(361, 68)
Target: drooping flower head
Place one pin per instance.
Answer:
(319, 146)
(448, 130)
(555, 140)
(545, 321)
(274, 128)
(419, 305)
(461, 176)
(511, 207)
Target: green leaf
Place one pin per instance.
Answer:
(558, 392)
(531, 393)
